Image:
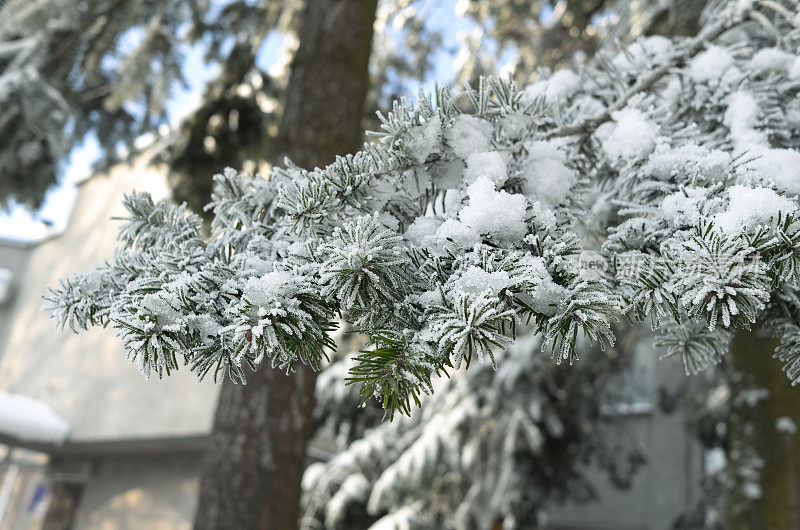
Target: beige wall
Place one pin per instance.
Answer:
(14, 258)
(666, 486)
(85, 377)
(136, 494)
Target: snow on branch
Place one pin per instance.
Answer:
(563, 207)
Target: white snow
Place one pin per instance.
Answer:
(475, 281)
(389, 221)
(711, 64)
(682, 207)
(489, 164)
(498, 214)
(643, 52)
(429, 298)
(546, 176)
(741, 118)
(781, 166)
(453, 201)
(402, 518)
(715, 460)
(27, 419)
(265, 290)
(424, 140)
(684, 160)
(468, 135)
(546, 149)
(354, 488)
(455, 235)
(422, 229)
(560, 85)
(631, 136)
(751, 207)
(772, 60)
(546, 294)
(548, 180)
(786, 425)
(546, 297)
(794, 70)
(158, 304)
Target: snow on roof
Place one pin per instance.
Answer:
(27, 419)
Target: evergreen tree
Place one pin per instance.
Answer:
(689, 176)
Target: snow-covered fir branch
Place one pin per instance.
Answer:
(489, 446)
(475, 213)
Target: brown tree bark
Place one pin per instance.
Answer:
(251, 476)
(754, 426)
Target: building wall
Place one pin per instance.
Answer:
(85, 377)
(14, 258)
(137, 493)
(667, 485)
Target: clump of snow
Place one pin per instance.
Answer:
(741, 118)
(560, 85)
(682, 208)
(785, 425)
(452, 202)
(422, 229)
(549, 180)
(455, 235)
(585, 105)
(158, 304)
(690, 159)
(543, 217)
(489, 164)
(772, 60)
(546, 177)
(752, 490)
(383, 190)
(710, 64)
(424, 140)
(546, 149)
(500, 215)
(354, 488)
(475, 281)
(404, 518)
(429, 298)
(781, 166)
(545, 298)
(631, 136)
(794, 70)
(265, 290)
(751, 207)
(543, 295)
(643, 52)
(27, 419)
(468, 135)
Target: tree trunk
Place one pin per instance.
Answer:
(753, 429)
(251, 476)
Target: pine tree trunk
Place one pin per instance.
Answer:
(251, 476)
(754, 427)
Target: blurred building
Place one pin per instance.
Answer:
(132, 457)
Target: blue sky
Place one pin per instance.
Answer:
(23, 225)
